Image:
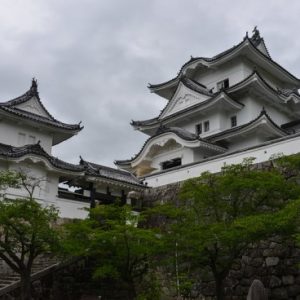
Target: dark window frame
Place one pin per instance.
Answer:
(224, 84)
(233, 121)
(172, 163)
(198, 128)
(206, 126)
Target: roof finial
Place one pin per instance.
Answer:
(34, 84)
(256, 36)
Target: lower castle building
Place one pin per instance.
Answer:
(27, 134)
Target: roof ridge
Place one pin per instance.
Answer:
(39, 118)
(162, 130)
(214, 96)
(32, 92)
(92, 165)
(252, 41)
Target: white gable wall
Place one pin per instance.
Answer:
(12, 133)
(183, 98)
(33, 106)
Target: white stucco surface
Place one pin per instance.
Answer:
(261, 154)
(19, 134)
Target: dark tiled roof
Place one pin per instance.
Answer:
(254, 41)
(96, 170)
(279, 92)
(196, 86)
(290, 124)
(192, 84)
(238, 128)
(10, 108)
(224, 155)
(182, 133)
(195, 106)
(288, 92)
(8, 151)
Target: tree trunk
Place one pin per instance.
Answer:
(131, 292)
(25, 286)
(219, 288)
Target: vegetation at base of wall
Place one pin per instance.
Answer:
(170, 249)
(122, 252)
(26, 231)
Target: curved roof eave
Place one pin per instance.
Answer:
(25, 115)
(179, 133)
(247, 126)
(11, 107)
(9, 152)
(255, 76)
(107, 173)
(156, 121)
(211, 61)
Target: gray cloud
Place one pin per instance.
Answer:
(93, 59)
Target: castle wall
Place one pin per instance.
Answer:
(275, 261)
(287, 145)
(17, 134)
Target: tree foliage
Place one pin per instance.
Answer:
(221, 214)
(120, 248)
(26, 231)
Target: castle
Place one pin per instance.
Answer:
(27, 134)
(219, 110)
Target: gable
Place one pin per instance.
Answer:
(183, 98)
(33, 106)
(262, 48)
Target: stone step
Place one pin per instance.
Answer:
(42, 263)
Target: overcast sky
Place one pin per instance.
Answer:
(94, 58)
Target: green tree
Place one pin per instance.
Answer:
(221, 214)
(26, 232)
(26, 229)
(120, 248)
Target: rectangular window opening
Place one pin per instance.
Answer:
(224, 84)
(206, 126)
(233, 121)
(171, 163)
(199, 128)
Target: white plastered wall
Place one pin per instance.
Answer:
(47, 192)
(234, 71)
(263, 153)
(10, 135)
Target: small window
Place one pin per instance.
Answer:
(206, 126)
(171, 163)
(233, 121)
(199, 128)
(224, 84)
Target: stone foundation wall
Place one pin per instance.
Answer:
(275, 262)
